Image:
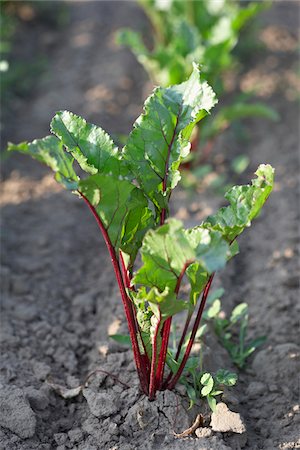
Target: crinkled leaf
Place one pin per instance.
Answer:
(169, 249)
(49, 151)
(160, 136)
(245, 204)
(165, 251)
(90, 145)
(114, 201)
(210, 248)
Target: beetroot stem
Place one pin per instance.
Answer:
(166, 333)
(132, 326)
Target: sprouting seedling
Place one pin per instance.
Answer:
(205, 385)
(232, 333)
(128, 193)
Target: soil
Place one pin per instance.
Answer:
(59, 298)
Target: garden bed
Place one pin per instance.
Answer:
(59, 302)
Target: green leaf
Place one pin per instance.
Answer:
(91, 146)
(253, 345)
(114, 201)
(49, 151)
(160, 136)
(121, 339)
(214, 309)
(239, 312)
(212, 402)
(198, 278)
(165, 251)
(210, 248)
(192, 394)
(226, 377)
(245, 204)
(208, 383)
(164, 304)
(172, 364)
(169, 249)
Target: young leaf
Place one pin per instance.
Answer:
(49, 151)
(208, 383)
(238, 312)
(245, 204)
(90, 145)
(197, 277)
(114, 201)
(160, 136)
(164, 304)
(225, 377)
(213, 310)
(212, 402)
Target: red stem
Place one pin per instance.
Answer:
(176, 377)
(186, 325)
(125, 273)
(132, 326)
(166, 334)
(163, 352)
(128, 285)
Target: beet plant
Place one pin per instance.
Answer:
(128, 192)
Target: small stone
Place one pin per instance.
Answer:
(204, 432)
(101, 404)
(16, 414)
(41, 370)
(224, 420)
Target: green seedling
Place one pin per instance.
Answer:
(128, 191)
(232, 333)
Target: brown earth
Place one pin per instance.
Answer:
(59, 299)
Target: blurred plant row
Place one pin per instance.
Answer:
(219, 35)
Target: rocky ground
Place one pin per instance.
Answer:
(59, 299)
